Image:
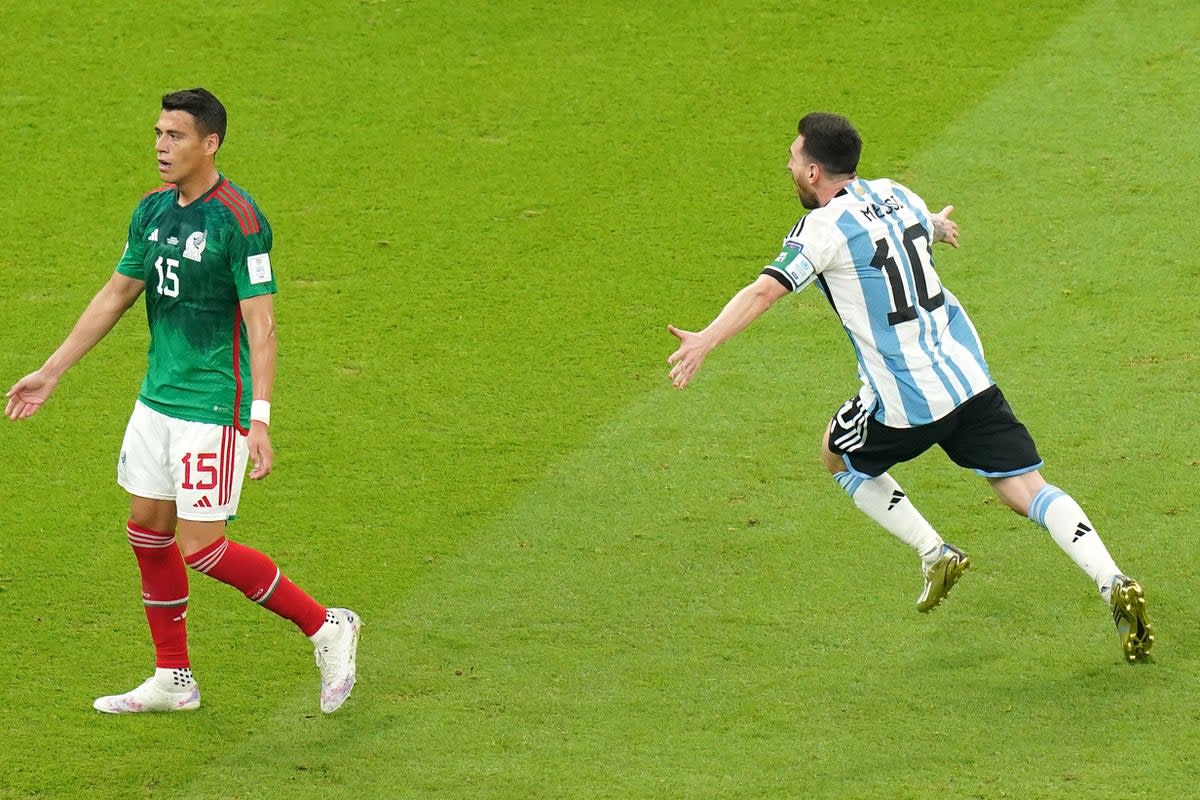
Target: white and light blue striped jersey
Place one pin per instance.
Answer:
(869, 250)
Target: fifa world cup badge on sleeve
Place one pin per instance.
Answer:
(259, 267)
(797, 266)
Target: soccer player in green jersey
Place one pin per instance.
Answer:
(199, 249)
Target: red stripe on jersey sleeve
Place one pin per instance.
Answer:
(239, 206)
(252, 225)
(229, 199)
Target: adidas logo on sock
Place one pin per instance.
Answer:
(203, 502)
(1080, 532)
(897, 496)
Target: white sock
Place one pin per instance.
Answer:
(174, 680)
(1057, 512)
(329, 630)
(884, 501)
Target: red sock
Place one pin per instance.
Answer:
(164, 593)
(260, 580)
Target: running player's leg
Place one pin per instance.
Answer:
(997, 446)
(993, 442)
(860, 467)
(1069, 526)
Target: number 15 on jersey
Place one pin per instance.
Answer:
(168, 280)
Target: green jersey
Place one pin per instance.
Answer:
(199, 261)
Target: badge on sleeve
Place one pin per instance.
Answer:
(259, 267)
(797, 266)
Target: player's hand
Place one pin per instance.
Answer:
(27, 395)
(944, 228)
(687, 359)
(261, 454)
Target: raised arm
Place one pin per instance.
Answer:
(259, 315)
(108, 305)
(745, 307)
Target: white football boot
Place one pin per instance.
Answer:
(336, 649)
(151, 696)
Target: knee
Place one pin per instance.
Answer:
(832, 462)
(153, 516)
(1017, 492)
(196, 536)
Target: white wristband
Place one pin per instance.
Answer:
(260, 411)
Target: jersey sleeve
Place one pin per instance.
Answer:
(250, 260)
(132, 262)
(801, 260)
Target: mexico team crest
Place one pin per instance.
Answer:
(193, 248)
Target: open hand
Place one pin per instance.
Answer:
(27, 395)
(687, 359)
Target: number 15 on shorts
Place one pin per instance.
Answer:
(200, 471)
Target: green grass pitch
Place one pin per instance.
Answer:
(576, 581)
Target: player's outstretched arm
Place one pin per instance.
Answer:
(28, 394)
(259, 316)
(944, 228)
(745, 307)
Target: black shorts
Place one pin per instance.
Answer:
(982, 434)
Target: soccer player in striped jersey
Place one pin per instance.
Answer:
(198, 247)
(867, 245)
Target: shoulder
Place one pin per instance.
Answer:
(813, 226)
(893, 187)
(151, 204)
(900, 191)
(236, 204)
(156, 196)
(879, 184)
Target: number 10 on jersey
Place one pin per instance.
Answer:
(917, 260)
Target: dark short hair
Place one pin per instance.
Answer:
(831, 141)
(204, 106)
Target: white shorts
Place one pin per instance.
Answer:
(198, 465)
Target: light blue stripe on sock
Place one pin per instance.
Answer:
(1041, 503)
(849, 482)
